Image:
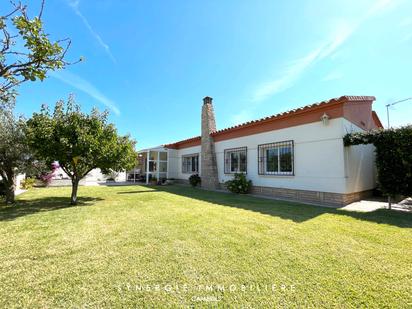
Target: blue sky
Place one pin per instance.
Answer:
(151, 62)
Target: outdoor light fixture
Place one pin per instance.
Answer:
(325, 119)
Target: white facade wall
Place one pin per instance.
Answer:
(321, 162)
(318, 157)
(183, 152)
(360, 167)
(172, 163)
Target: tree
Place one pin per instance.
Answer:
(37, 55)
(14, 151)
(393, 158)
(79, 142)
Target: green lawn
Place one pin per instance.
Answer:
(175, 246)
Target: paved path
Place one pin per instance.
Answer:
(19, 191)
(368, 206)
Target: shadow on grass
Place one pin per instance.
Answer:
(24, 207)
(137, 191)
(294, 211)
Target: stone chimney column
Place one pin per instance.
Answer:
(209, 173)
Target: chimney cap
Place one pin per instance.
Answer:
(207, 100)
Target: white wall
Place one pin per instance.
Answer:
(97, 176)
(360, 168)
(318, 157)
(182, 152)
(19, 179)
(173, 163)
(321, 162)
(94, 175)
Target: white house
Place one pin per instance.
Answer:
(296, 155)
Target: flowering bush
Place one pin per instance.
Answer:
(239, 184)
(194, 180)
(47, 178)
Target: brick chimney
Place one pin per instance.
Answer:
(209, 174)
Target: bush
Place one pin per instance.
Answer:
(194, 180)
(28, 183)
(239, 184)
(393, 157)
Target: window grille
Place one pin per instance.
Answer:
(190, 163)
(235, 160)
(276, 158)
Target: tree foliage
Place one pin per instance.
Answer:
(14, 151)
(393, 157)
(26, 51)
(80, 142)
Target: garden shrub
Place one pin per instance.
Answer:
(393, 157)
(194, 180)
(28, 183)
(239, 184)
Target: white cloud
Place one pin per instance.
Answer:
(381, 6)
(334, 75)
(407, 25)
(85, 86)
(407, 37)
(289, 76)
(406, 22)
(74, 4)
(241, 117)
(298, 67)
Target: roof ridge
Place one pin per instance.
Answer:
(285, 113)
(299, 109)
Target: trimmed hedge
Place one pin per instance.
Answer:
(393, 157)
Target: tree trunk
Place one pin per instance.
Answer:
(389, 202)
(75, 185)
(10, 187)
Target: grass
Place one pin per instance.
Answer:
(122, 244)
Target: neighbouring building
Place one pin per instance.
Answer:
(94, 177)
(297, 155)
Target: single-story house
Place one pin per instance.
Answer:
(298, 154)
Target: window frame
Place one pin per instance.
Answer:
(228, 167)
(262, 165)
(192, 155)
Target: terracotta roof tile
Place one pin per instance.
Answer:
(281, 114)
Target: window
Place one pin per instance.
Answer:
(190, 163)
(276, 158)
(235, 160)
